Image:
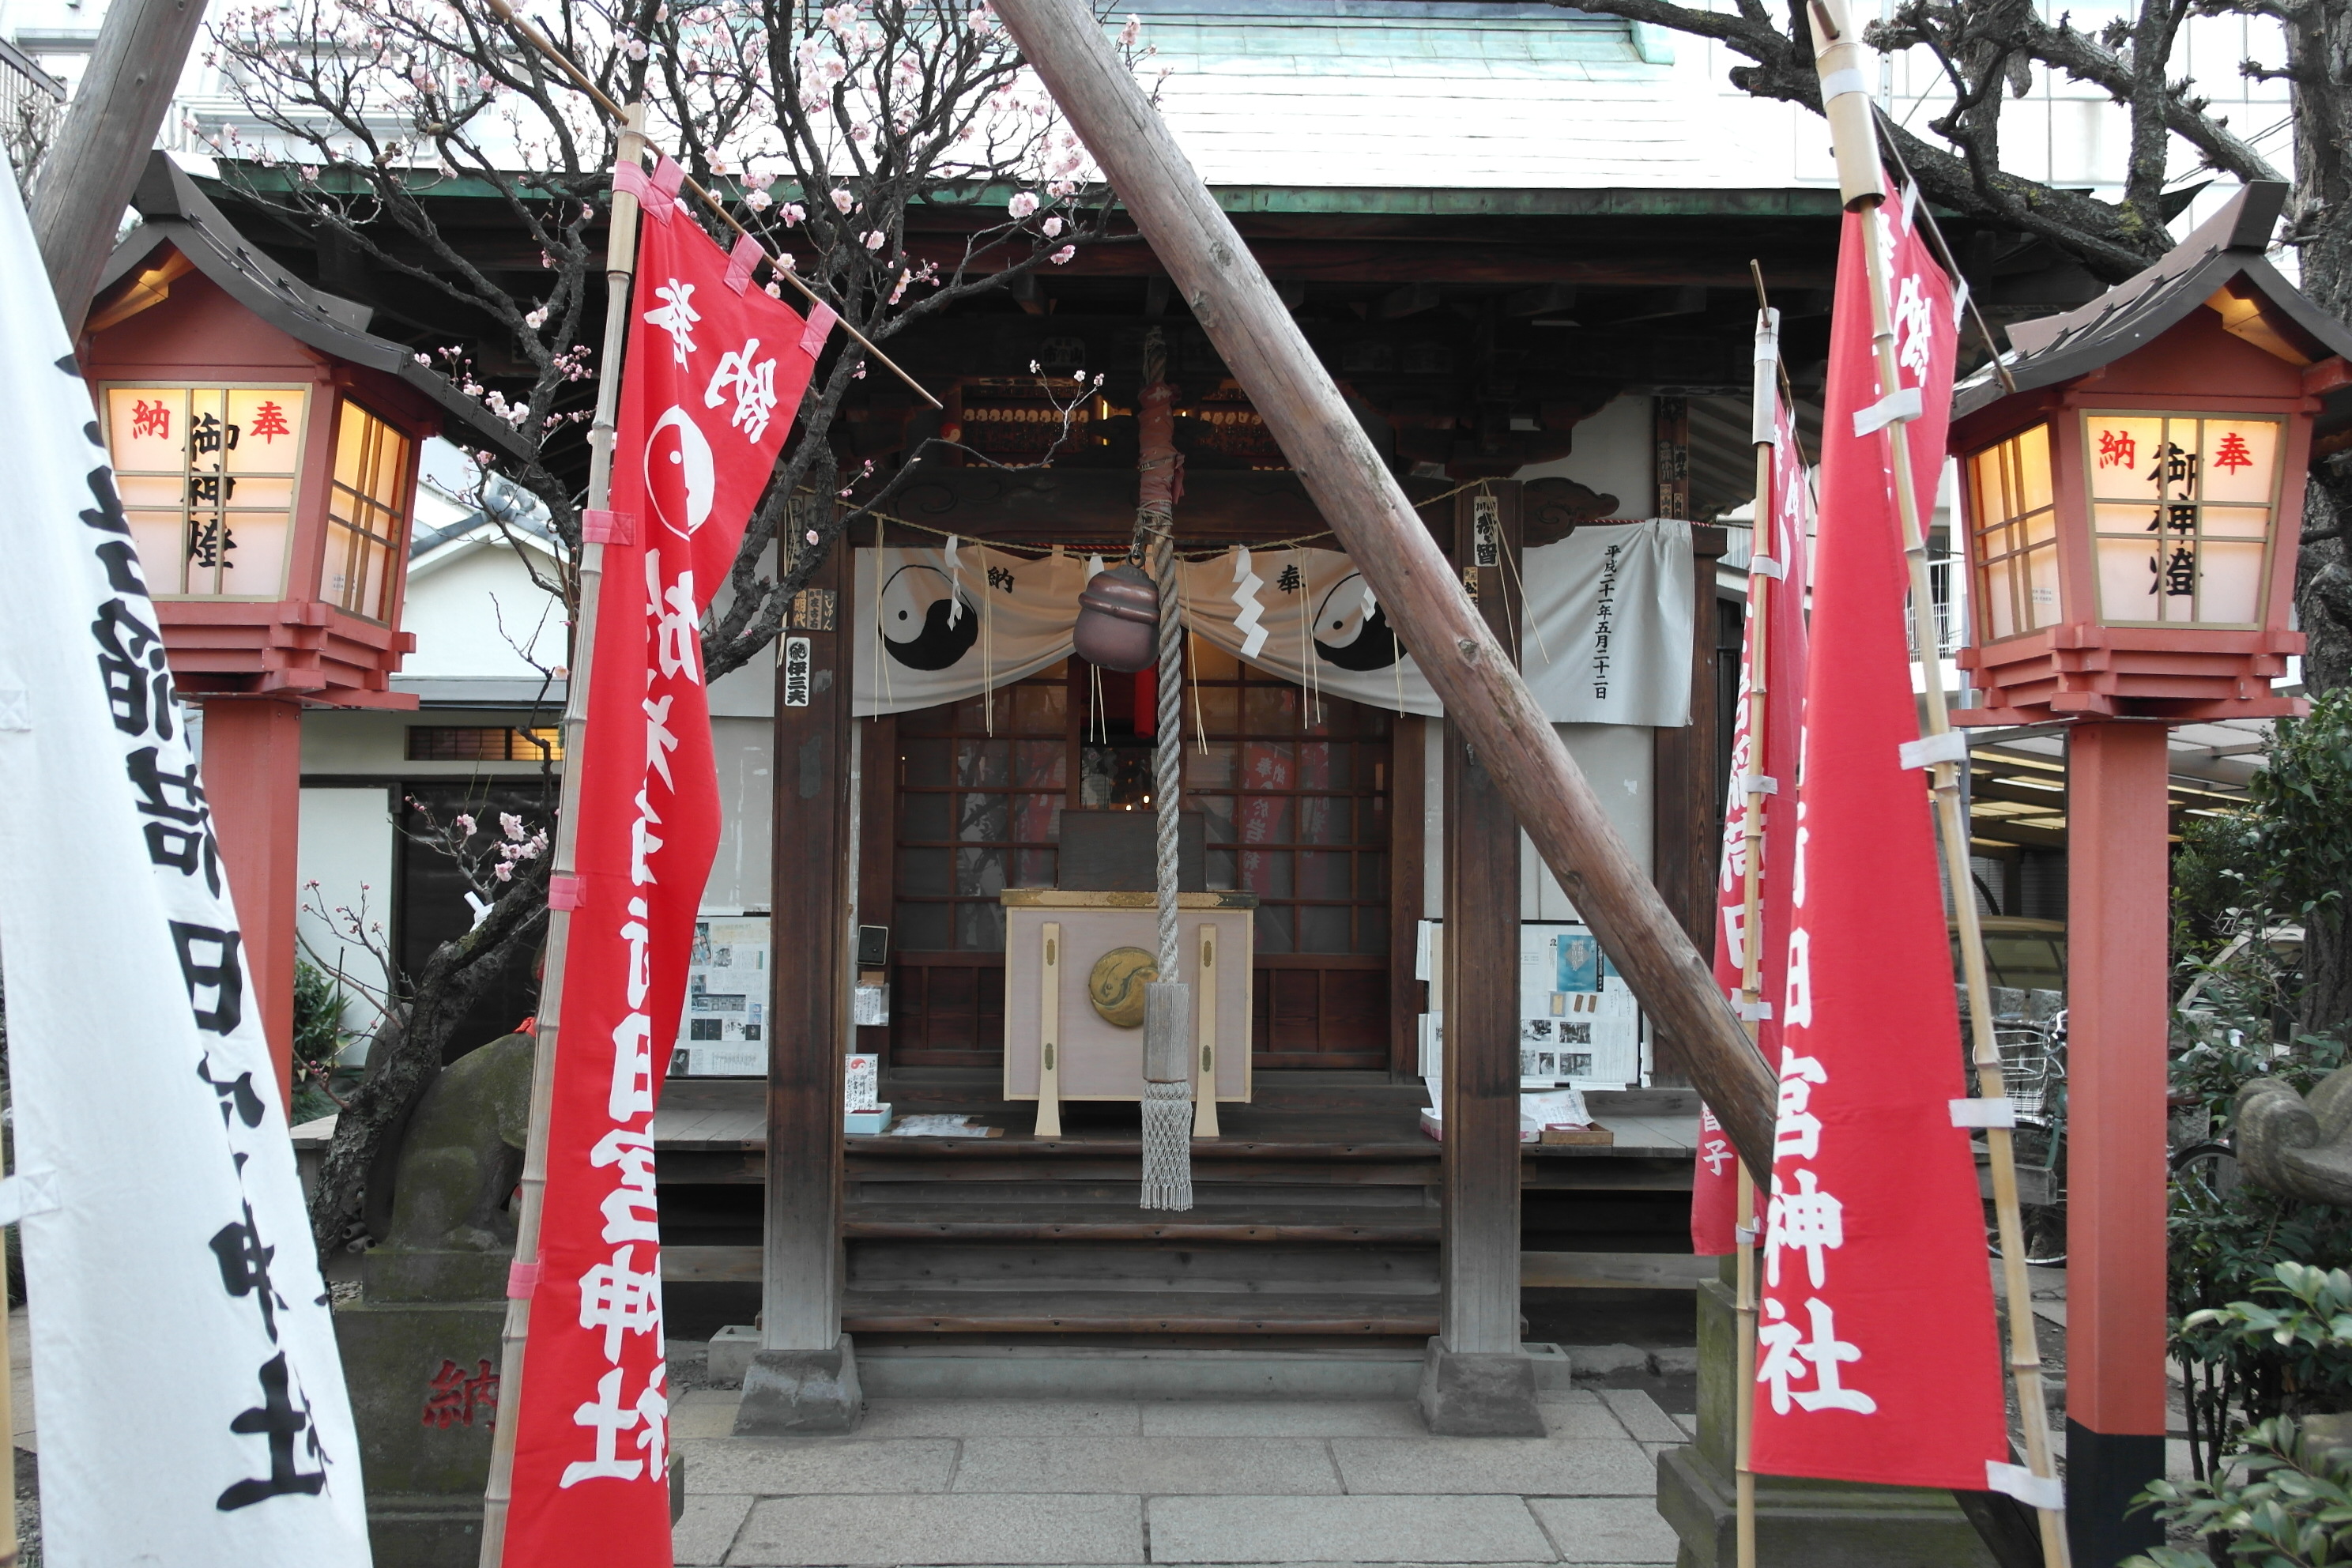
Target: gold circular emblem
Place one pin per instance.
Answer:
(1116, 984)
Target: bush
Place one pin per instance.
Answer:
(318, 1041)
(2226, 1252)
(2285, 1504)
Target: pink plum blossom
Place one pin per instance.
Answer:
(1022, 204)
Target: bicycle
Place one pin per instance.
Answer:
(2033, 1075)
(2207, 1175)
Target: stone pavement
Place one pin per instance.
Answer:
(983, 1482)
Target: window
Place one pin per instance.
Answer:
(981, 789)
(1295, 791)
(489, 743)
(367, 520)
(206, 475)
(2016, 523)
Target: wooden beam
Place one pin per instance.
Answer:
(1543, 300)
(1234, 304)
(1658, 304)
(1614, 1270)
(1479, 1198)
(94, 166)
(801, 1289)
(1410, 300)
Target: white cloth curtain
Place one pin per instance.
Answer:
(1607, 639)
(933, 629)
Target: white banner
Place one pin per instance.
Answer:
(190, 1397)
(1608, 624)
(1608, 639)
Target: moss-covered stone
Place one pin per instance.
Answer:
(1799, 1523)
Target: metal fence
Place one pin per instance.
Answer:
(32, 102)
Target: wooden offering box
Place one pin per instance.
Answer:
(1058, 1046)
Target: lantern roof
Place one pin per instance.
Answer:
(180, 216)
(2223, 264)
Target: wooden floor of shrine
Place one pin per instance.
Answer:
(1315, 1213)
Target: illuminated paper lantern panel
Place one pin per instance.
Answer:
(265, 446)
(2130, 513)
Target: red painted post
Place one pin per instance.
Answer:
(253, 781)
(2118, 886)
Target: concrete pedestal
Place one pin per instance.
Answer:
(424, 1379)
(796, 1393)
(1479, 1394)
(1799, 1523)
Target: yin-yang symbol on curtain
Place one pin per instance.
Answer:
(926, 624)
(1346, 637)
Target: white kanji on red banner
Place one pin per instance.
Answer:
(1877, 1360)
(1777, 580)
(698, 439)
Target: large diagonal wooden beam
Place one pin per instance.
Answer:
(1234, 303)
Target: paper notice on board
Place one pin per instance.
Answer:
(723, 1033)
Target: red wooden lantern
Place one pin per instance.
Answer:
(2132, 509)
(266, 445)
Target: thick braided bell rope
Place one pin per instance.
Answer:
(1167, 1105)
(1168, 760)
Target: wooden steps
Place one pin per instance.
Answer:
(1126, 1312)
(1315, 1215)
(1118, 1221)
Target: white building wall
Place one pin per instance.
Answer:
(345, 861)
(475, 612)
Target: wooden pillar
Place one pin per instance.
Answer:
(253, 781)
(1408, 788)
(2117, 882)
(1477, 1380)
(803, 1377)
(1685, 795)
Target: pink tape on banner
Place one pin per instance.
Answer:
(742, 261)
(522, 1279)
(565, 892)
(820, 327)
(657, 192)
(608, 527)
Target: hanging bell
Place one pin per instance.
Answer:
(1118, 620)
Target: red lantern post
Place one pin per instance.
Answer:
(266, 449)
(2132, 514)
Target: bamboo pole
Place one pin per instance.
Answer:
(1838, 52)
(613, 111)
(1477, 682)
(620, 263)
(1743, 1426)
(1765, 404)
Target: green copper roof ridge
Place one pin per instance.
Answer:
(1367, 201)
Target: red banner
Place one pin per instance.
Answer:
(1779, 558)
(1876, 1356)
(714, 373)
